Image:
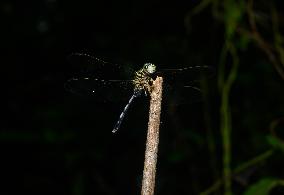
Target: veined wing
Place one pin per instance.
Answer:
(180, 94)
(101, 90)
(186, 75)
(86, 64)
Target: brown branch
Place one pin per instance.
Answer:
(148, 183)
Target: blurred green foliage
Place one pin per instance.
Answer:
(264, 186)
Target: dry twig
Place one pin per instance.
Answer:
(148, 183)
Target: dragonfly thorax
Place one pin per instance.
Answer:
(142, 80)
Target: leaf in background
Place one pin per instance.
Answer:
(275, 143)
(262, 187)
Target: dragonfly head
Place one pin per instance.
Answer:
(150, 68)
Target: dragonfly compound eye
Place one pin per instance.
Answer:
(150, 68)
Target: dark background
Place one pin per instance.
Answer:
(54, 142)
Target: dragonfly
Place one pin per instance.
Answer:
(102, 80)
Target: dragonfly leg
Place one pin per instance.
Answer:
(149, 87)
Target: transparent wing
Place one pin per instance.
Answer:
(101, 90)
(186, 75)
(86, 64)
(179, 94)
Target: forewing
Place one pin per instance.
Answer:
(88, 65)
